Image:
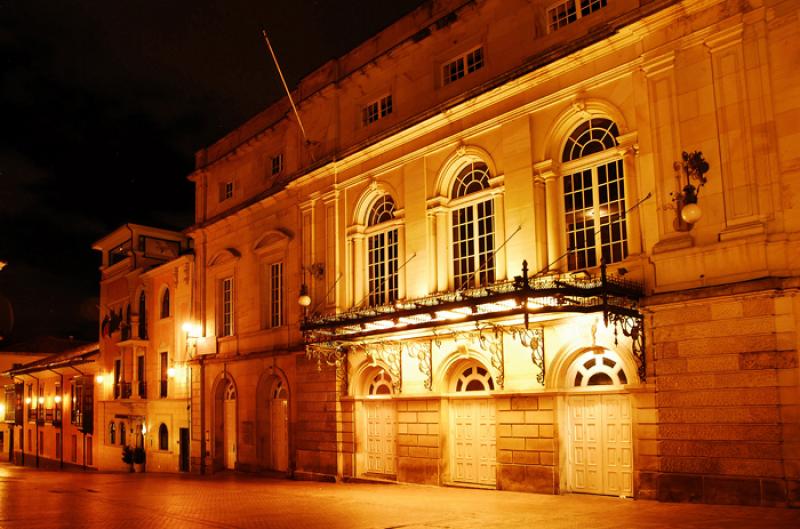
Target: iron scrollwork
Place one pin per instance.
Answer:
(493, 343)
(422, 352)
(633, 328)
(391, 355)
(533, 338)
(333, 355)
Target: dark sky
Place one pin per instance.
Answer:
(102, 106)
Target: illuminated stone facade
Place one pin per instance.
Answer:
(440, 156)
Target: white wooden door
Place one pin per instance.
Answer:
(380, 415)
(279, 424)
(230, 434)
(618, 445)
(474, 445)
(600, 455)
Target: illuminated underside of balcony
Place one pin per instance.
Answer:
(521, 301)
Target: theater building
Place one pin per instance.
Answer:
(536, 246)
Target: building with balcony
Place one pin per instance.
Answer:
(49, 406)
(142, 383)
(538, 246)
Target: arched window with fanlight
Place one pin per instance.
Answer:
(143, 316)
(165, 304)
(163, 437)
(473, 377)
(382, 251)
(594, 195)
(473, 225)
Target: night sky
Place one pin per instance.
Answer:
(102, 106)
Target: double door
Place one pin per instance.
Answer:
(474, 450)
(381, 438)
(600, 455)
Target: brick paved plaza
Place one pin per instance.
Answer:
(34, 499)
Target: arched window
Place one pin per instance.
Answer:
(165, 304)
(122, 433)
(382, 253)
(112, 433)
(163, 437)
(473, 229)
(381, 384)
(603, 369)
(142, 316)
(594, 195)
(474, 378)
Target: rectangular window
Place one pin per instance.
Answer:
(74, 452)
(89, 453)
(376, 110)
(564, 13)
(117, 378)
(164, 375)
(465, 64)
(29, 400)
(383, 268)
(57, 404)
(473, 245)
(276, 294)
(594, 204)
(40, 405)
(225, 191)
(141, 385)
(227, 306)
(277, 164)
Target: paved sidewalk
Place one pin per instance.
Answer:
(33, 499)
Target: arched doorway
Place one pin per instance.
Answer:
(600, 426)
(272, 421)
(472, 426)
(380, 424)
(225, 425)
(279, 426)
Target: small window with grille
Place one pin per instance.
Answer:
(378, 109)
(565, 13)
(466, 64)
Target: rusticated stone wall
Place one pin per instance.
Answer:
(726, 383)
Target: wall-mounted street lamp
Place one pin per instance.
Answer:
(99, 378)
(193, 333)
(693, 167)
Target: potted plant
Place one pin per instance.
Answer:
(139, 458)
(127, 456)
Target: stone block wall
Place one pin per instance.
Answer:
(726, 382)
(527, 459)
(316, 429)
(418, 448)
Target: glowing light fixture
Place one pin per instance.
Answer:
(99, 378)
(304, 300)
(171, 372)
(58, 399)
(694, 167)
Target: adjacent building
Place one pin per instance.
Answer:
(142, 383)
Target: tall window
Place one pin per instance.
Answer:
(460, 66)
(473, 229)
(563, 13)
(141, 385)
(163, 437)
(226, 288)
(142, 316)
(164, 375)
(383, 253)
(112, 433)
(594, 196)
(276, 294)
(57, 406)
(165, 304)
(277, 164)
